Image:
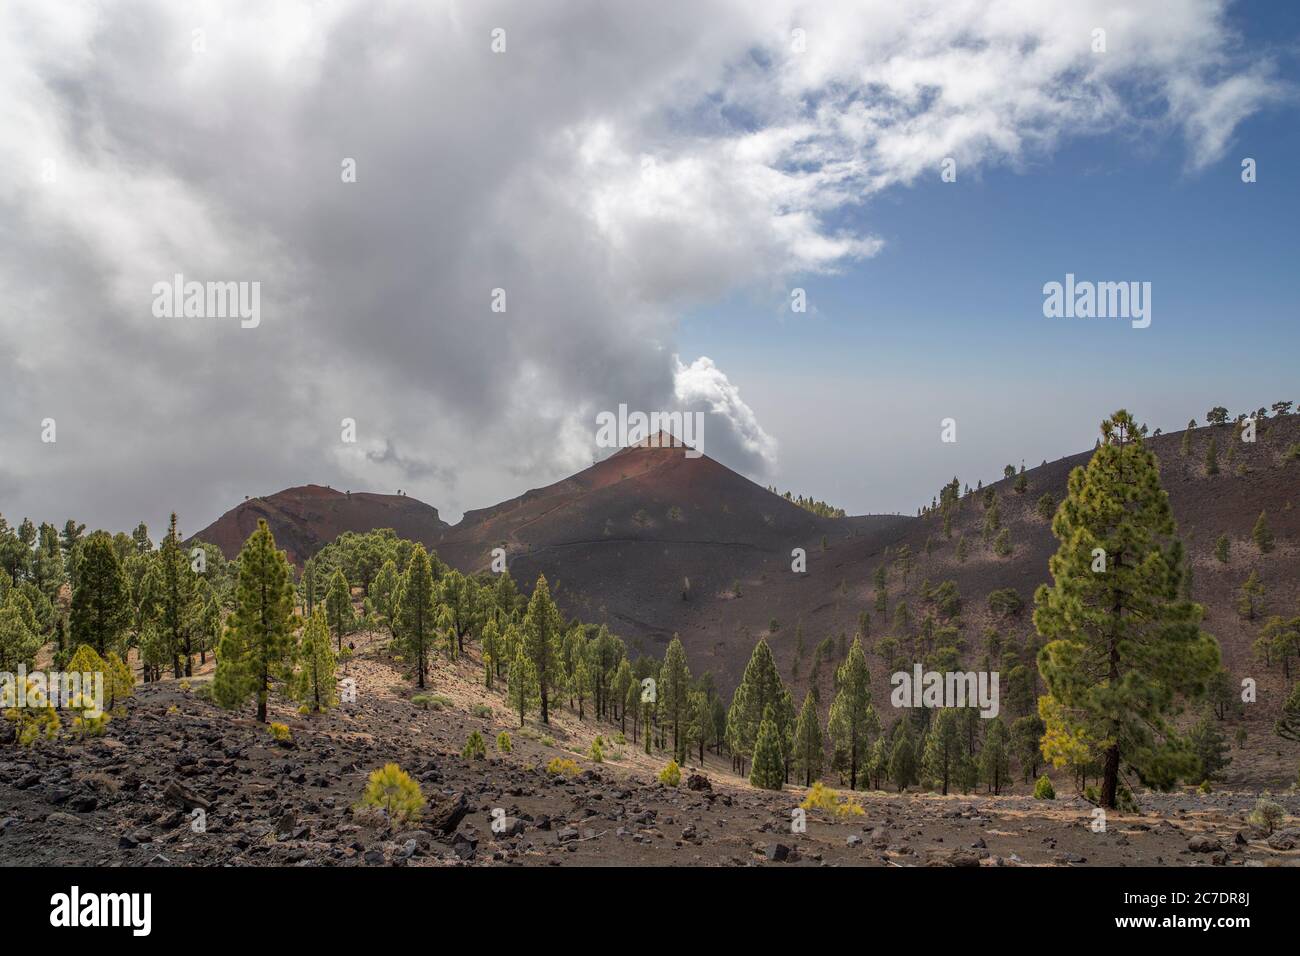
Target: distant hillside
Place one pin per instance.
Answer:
(654, 543)
(306, 518)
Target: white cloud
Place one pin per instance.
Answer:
(702, 386)
(609, 171)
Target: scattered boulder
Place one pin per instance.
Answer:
(777, 852)
(180, 795)
(1204, 844)
(446, 814)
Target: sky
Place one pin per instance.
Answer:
(560, 208)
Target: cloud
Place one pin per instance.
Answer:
(608, 172)
(703, 387)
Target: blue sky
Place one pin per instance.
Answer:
(947, 318)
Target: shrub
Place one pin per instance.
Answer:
(38, 720)
(671, 775)
(475, 749)
(1005, 602)
(431, 701)
(547, 740)
(392, 790)
(482, 711)
(562, 767)
(1266, 814)
(846, 805)
(185, 686)
(1043, 789)
(820, 797)
(280, 733)
(503, 743)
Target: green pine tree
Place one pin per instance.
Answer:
(416, 611)
(258, 644)
(100, 607)
(809, 751)
(1262, 534)
(944, 748)
(768, 771)
(674, 688)
(902, 758)
(314, 681)
(521, 684)
(760, 688)
(338, 606)
(853, 723)
(1124, 645)
(995, 760)
(543, 632)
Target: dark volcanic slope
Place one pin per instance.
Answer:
(622, 538)
(307, 518)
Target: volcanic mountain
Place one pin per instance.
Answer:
(306, 518)
(652, 543)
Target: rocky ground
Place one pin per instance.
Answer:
(137, 795)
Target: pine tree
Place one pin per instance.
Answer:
(620, 687)
(995, 761)
(853, 722)
(699, 722)
(314, 682)
(1221, 548)
(521, 683)
(760, 688)
(100, 608)
(309, 585)
(1212, 457)
(1026, 735)
(1262, 534)
(902, 759)
(118, 680)
(258, 643)
(176, 598)
(768, 772)
(1288, 722)
(491, 651)
(384, 590)
(673, 692)
(416, 611)
(1124, 645)
(338, 606)
(543, 630)
(1250, 600)
(19, 642)
(809, 751)
(1210, 747)
(944, 748)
